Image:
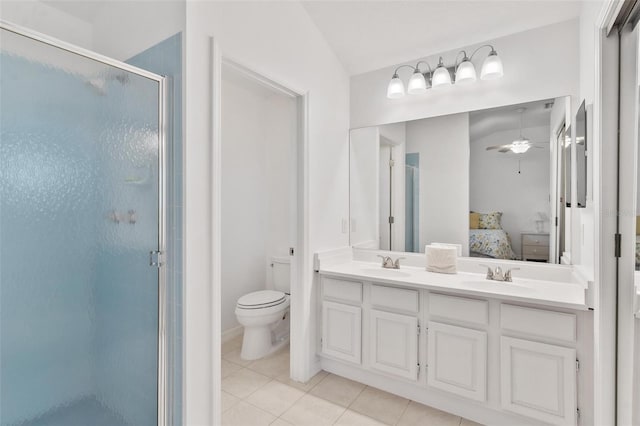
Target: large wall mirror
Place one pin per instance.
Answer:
(496, 181)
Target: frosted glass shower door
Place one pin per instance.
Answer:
(81, 147)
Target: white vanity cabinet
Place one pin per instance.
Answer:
(342, 320)
(342, 331)
(490, 360)
(457, 360)
(393, 331)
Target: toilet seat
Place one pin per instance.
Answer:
(261, 299)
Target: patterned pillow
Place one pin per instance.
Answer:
(490, 220)
(474, 220)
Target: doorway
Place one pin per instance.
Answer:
(261, 192)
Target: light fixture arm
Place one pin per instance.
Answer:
(395, 73)
(493, 51)
(428, 66)
(464, 58)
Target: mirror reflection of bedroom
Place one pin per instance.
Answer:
(517, 181)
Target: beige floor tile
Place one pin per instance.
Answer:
(228, 401)
(228, 367)
(338, 390)
(280, 422)
(273, 366)
(380, 405)
(305, 387)
(234, 357)
(313, 411)
(418, 414)
(244, 414)
(467, 422)
(351, 418)
(275, 397)
(243, 383)
(233, 344)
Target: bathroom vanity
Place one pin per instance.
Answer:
(494, 352)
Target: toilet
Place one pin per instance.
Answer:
(265, 314)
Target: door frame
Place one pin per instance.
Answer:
(164, 395)
(301, 264)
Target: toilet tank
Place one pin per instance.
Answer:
(281, 270)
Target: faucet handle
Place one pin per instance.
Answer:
(396, 264)
(489, 271)
(507, 275)
(386, 261)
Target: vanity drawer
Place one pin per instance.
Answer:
(395, 298)
(348, 291)
(459, 308)
(538, 322)
(535, 240)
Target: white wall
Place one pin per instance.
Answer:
(364, 171)
(258, 128)
(539, 64)
(496, 185)
(279, 41)
(443, 145)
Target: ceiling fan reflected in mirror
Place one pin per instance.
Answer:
(518, 146)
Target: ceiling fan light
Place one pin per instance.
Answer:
(492, 67)
(466, 72)
(395, 89)
(417, 83)
(520, 147)
(441, 76)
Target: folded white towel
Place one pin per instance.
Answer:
(457, 246)
(441, 259)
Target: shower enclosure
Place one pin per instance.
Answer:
(82, 144)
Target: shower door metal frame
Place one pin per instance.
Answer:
(163, 395)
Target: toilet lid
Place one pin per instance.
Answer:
(261, 299)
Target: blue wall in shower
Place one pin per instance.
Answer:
(47, 223)
(165, 59)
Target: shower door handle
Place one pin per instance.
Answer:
(155, 258)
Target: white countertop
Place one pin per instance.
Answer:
(547, 293)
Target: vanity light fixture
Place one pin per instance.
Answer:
(464, 72)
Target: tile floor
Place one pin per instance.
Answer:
(256, 393)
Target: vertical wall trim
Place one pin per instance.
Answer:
(216, 228)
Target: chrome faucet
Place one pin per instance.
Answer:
(498, 275)
(389, 263)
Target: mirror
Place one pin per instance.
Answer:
(491, 181)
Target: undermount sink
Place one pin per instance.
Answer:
(381, 272)
(488, 285)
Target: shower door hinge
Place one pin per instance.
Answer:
(156, 258)
(391, 219)
(618, 243)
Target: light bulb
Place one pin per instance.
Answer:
(492, 67)
(395, 89)
(441, 76)
(417, 83)
(466, 72)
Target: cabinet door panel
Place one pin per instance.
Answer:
(394, 344)
(341, 331)
(457, 360)
(538, 380)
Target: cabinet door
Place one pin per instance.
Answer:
(538, 380)
(457, 360)
(341, 331)
(394, 344)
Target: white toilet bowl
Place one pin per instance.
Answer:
(265, 317)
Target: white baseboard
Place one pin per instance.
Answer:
(231, 333)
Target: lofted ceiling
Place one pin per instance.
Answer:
(489, 121)
(369, 35)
